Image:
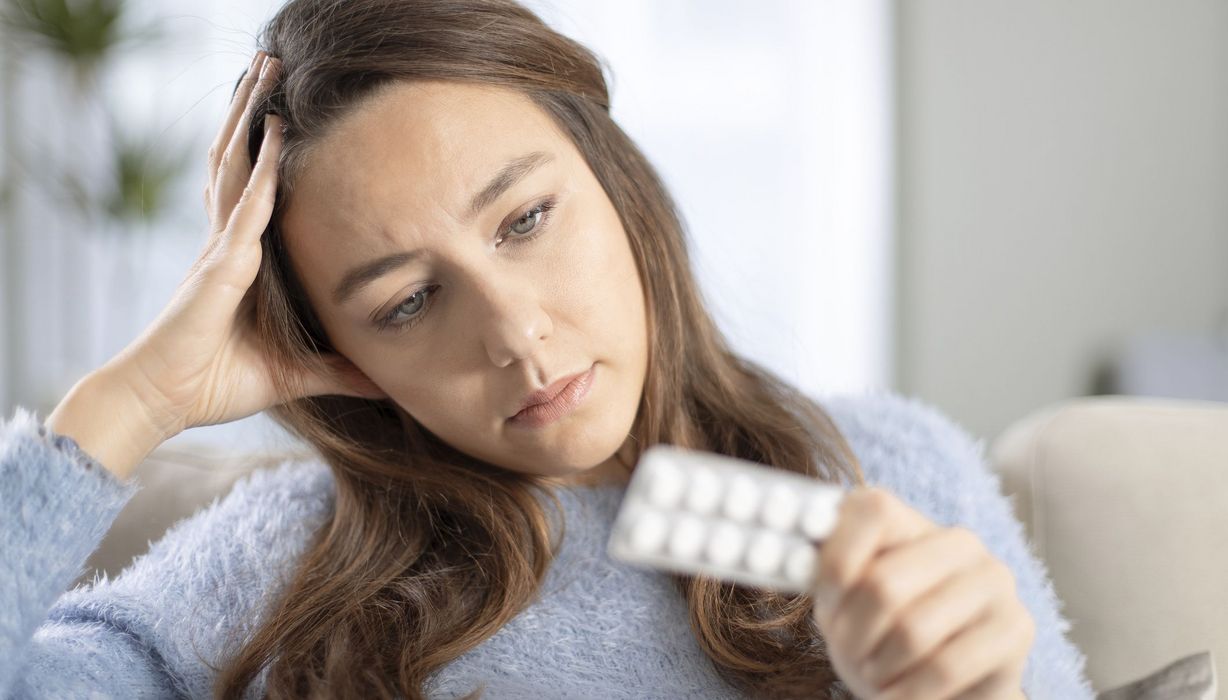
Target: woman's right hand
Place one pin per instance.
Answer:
(198, 362)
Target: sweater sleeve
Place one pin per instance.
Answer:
(926, 459)
(57, 504)
(160, 627)
(205, 585)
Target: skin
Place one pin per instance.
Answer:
(500, 316)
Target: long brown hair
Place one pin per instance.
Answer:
(429, 551)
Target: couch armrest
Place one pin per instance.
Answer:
(1126, 501)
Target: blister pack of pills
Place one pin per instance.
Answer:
(702, 513)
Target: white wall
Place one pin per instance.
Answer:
(6, 237)
(1063, 186)
(769, 122)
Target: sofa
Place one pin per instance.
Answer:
(1124, 498)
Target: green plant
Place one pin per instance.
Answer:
(142, 177)
(82, 38)
(85, 35)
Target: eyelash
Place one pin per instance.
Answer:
(543, 209)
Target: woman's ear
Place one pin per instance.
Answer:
(343, 377)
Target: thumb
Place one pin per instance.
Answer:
(340, 376)
(871, 520)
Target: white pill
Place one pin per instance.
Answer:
(687, 539)
(800, 565)
(630, 510)
(780, 508)
(648, 532)
(765, 552)
(742, 498)
(666, 485)
(704, 493)
(725, 547)
(819, 513)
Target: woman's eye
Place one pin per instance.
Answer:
(409, 306)
(411, 310)
(407, 312)
(532, 220)
(526, 223)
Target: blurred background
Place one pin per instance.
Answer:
(991, 205)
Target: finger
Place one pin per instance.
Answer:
(999, 685)
(340, 377)
(251, 215)
(236, 150)
(870, 520)
(238, 103)
(926, 624)
(896, 581)
(238, 98)
(979, 650)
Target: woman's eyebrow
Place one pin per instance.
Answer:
(515, 170)
(365, 273)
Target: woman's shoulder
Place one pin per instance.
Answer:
(276, 505)
(914, 449)
(889, 421)
(301, 483)
(265, 519)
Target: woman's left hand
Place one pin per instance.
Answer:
(910, 609)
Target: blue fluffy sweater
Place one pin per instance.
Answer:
(598, 629)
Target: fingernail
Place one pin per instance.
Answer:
(256, 68)
(264, 70)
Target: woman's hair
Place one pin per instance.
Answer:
(429, 551)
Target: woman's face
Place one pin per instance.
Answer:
(509, 270)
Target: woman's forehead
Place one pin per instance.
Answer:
(411, 163)
(423, 141)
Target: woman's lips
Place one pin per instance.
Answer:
(567, 400)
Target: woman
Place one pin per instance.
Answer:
(442, 230)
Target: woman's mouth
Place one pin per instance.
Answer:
(563, 404)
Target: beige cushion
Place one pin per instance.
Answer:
(1126, 500)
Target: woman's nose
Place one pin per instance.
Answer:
(513, 321)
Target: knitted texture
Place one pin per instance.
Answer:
(598, 628)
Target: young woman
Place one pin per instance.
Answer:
(454, 276)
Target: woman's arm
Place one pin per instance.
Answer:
(148, 631)
(200, 588)
(108, 422)
(58, 503)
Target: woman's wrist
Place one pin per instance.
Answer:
(108, 422)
